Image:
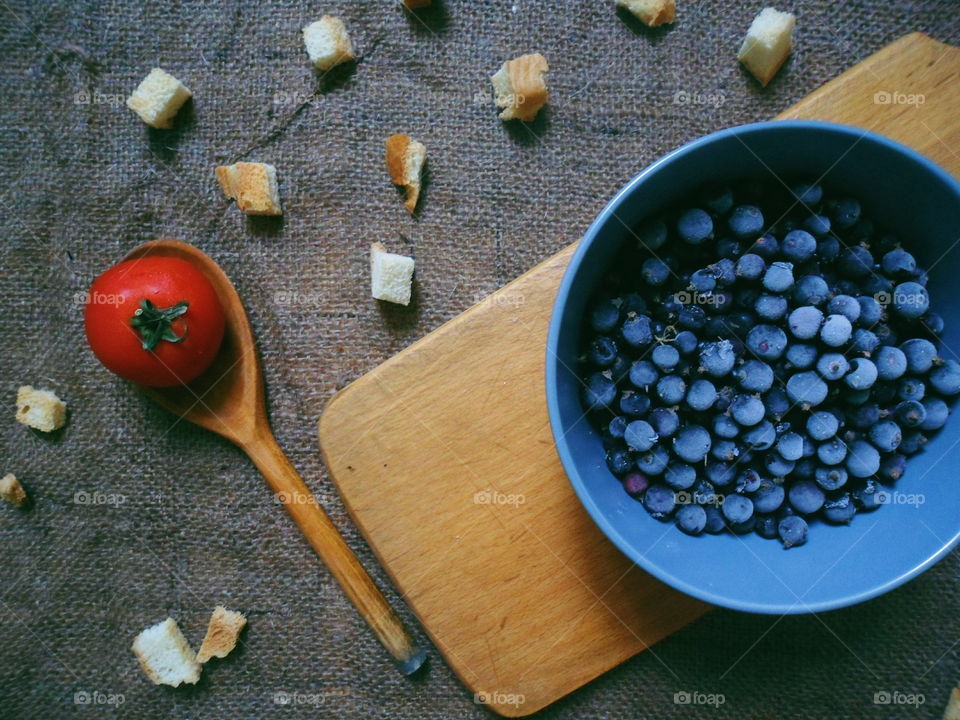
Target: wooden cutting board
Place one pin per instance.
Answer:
(445, 460)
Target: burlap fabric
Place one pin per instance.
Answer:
(137, 517)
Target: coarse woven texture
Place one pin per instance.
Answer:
(137, 517)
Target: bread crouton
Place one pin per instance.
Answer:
(651, 12)
(165, 655)
(405, 158)
(520, 88)
(327, 42)
(768, 42)
(158, 98)
(391, 275)
(253, 186)
(222, 634)
(40, 409)
(12, 491)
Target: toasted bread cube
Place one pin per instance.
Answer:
(391, 275)
(158, 98)
(327, 42)
(651, 12)
(405, 158)
(40, 409)
(520, 88)
(12, 491)
(768, 42)
(165, 655)
(952, 711)
(222, 634)
(253, 186)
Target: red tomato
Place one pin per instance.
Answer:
(154, 321)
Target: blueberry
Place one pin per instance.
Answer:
(807, 193)
(819, 225)
(891, 362)
(602, 351)
(691, 317)
(777, 402)
(802, 356)
(920, 355)
(913, 442)
(724, 450)
(832, 452)
(703, 281)
(828, 249)
(885, 334)
(654, 271)
(855, 262)
(937, 412)
(617, 426)
(695, 226)
(754, 376)
(643, 374)
(870, 496)
(778, 466)
(892, 467)
(770, 307)
(737, 508)
(634, 404)
(864, 416)
(659, 501)
(685, 342)
(844, 212)
(747, 410)
(864, 341)
(750, 266)
(790, 446)
(652, 234)
(875, 285)
(933, 323)
(778, 278)
(807, 389)
(766, 526)
(717, 358)
(729, 248)
(792, 531)
(715, 521)
(749, 481)
(899, 264)
(885, 436)
(692, 443)
(804, 322)
(633, 303)
(620, 368)
(746, 222)
(798, 246)
(653, 462)
(863, 374)
(640, 435)
(946, 378)
(725, 427)
(725, 396)
(701, 395)
(870, 311)
(768, 497)
(720, 473)
(836, 331)
(806, 497)
(811, 290)
(680, 476)
(832, 366)
(692, 519)
(600, 392)
(717, 198)
(767, 342)
(604, 316)
(761, 437)
(766, 246)
(637, 331)
(724, 270)
(839, 510)
(665, 357)
(830, 478)
(635, 483)
(910, 413)
(911, 389)
(822, 425)
(863, 460)
(910, 300)
(845, 305)
(619, 461)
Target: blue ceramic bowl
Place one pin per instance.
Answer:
(838, 566)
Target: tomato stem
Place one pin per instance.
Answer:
(156, 324)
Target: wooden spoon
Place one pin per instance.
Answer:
(229, 399)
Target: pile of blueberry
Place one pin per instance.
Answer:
(761, 357)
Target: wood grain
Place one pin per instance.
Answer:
(444, 456)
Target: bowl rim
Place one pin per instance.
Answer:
(552, 362)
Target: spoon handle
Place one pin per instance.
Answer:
(316, 525)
